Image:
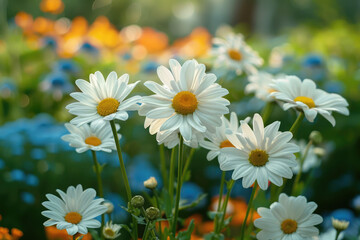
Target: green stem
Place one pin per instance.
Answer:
(267, 110)
(216, 223)
(188, 161)
(172, 173)
(163, 165)
(100, 188)
(302, 160)
(123, 173)
(224, 206)
(337, 234)
(297, 123)
(248, 210)
(158, 206)
(178, 188)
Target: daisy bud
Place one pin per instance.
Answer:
(137, 201)
(151, 183)
(316, 137)
(152, 213)
(110, 207)
(340, 225)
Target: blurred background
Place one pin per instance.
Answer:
(45, 45)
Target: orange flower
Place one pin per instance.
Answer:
(152, 40)
(24, 20)
(52, 6)
(52, 233)
(4, 234)
(197, 44)
(16, 233)
(43, 25)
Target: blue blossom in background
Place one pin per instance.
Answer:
(314, 67)
(356, 203)
(212, 172)
(119, 214)
(57, 83)
(150, 67)
(2, 164)
(32, 180)
(313, 60)
(141, 170)
(49, 42)
(88, 47)
(66, 65)
(7, 88)
(343, 214)
(37, 153)
(334, 87)
(190, 192)
(17, 175)
(27, 198)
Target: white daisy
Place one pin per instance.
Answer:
(235, 54)
(75, 211)
(259, 84)
(101, 100)
(218, 140)
(96, 137)
(111, 231)
(170, 139)
(260, 154)
(189, 100)
(290, 218)
(311, 161)
(304, 96)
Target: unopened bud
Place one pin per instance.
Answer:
(152, 213)
(316, 137)
(137, 201)
(340, 225)
(110, 207)
(151, 183)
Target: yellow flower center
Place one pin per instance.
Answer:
(289, 226)
(94, 141)
(226, 143)
(258, 158)
(308, 101)
(108, 232)
(184, 102)
(234, 54)
(107, 106)
(73, 217)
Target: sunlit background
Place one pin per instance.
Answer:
(46, 45)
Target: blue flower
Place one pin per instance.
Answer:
(57, 81)
(334, 87)
(313, 60)
(66, 65)
(190, 192)
(119, 214)
(212, 172)
(17, 175)
(49, 42)
(7, 88)
(37, 154)
(140, 171)
(88, 47)
(150, 67)
(32, 180)
(27, 198)
(2, 164)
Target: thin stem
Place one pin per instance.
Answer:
(178, 188)
(302, 160)
(123, 173)
(248, 210)
(267, 110)
(223, 174)
(158, 206)
(224, 206)
(100, 188)
(188, 161)
(172, 173)
(297, 123)
(337, 234)
(163, 165)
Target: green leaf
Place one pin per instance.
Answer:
(193, 204)
(186, 235)
(213, 214)
(213, 236)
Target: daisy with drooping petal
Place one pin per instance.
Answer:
(189, 100)
(96, 137)
(233, 53)
(101, 100)
(75, 211)
(260, 154)
(304, 96)
(290, 218)
(111, 231)
(218, 140)
(259, 84)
